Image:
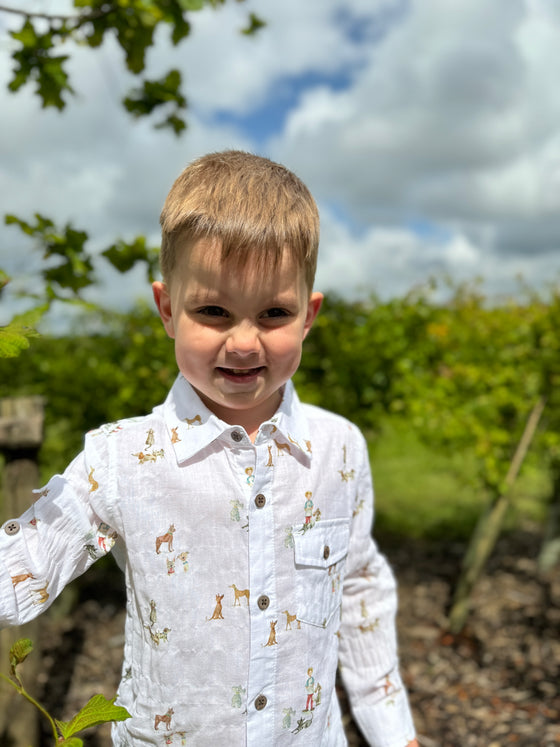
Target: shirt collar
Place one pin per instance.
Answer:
(192, 426)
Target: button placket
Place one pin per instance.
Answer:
(262, 661)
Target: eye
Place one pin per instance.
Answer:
(275, 313)
(213, 311)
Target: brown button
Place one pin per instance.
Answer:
(237, 436)
(260, 500)
(262, 602)
(260, 702)
(326, 552)
(11, 527)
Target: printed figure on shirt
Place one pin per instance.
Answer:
(310, 690)
(237, 699)
(93, 484)
(156, 636)
(289, 538)
(369, 625)
(291, 619)
(175, 438)
(165, 720)
(148, 454)
(192, 422)
(282, 447)
(250, 476)
(344, 473)
(238, 595)
(289, 713)
(217, 614)
(106, 537)
(170, 562)
(272, 635)
(312, 514)
(166, 539)
(183, 557)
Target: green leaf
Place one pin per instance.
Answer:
(19, 652)
(72, 742)
(98, 710)
(14, 337)
(255, 23)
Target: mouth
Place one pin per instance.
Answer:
(240, 373)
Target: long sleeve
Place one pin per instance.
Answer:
(368, 645)
(53, 542)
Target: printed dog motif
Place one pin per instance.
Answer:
(239, 594)
(217, 614)
(165, 719)
(290, 619)
(272, 635)
(166, 539)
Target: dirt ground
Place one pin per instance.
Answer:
(496, 685)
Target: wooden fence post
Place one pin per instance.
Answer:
(21, 434)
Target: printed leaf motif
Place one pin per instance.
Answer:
(19, 652)
(98, 710)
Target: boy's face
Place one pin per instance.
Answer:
(238, 334)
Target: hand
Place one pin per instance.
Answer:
(414, 743)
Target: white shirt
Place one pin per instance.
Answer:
(250, 572)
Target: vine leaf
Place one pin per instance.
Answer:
(14, 337)
(20, 651)
(98, 710)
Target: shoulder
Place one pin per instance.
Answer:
(126, 431)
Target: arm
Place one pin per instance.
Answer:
(54, 541)
(368, 646)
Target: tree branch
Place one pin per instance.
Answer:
(78, 18)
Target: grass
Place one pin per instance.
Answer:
(422, 492)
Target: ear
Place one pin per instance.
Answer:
(163, 303)
(313, 306)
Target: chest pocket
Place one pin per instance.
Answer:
(319, 557)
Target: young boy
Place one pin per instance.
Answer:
(241, 517)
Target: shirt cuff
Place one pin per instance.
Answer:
(388, 723)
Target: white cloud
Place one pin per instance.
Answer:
(440, 154)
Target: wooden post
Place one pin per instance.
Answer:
(21, 434)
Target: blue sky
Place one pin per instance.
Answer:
(428, 131)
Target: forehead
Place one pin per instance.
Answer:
(203, 265)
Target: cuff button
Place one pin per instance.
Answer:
(11, 528)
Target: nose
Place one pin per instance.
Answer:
(243, 339)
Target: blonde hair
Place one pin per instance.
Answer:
(255, 209)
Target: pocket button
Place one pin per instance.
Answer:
(326, 552)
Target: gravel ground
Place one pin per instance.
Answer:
(497, 684)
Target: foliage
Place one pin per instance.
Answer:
(133, 23)
(98, 710)
(67, 270)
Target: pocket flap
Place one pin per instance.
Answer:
(323, 544)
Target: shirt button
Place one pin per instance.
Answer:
(11, 527)
(260, 702)
(262, 602)
(326, 552)
(260, 500)
(237, 436)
